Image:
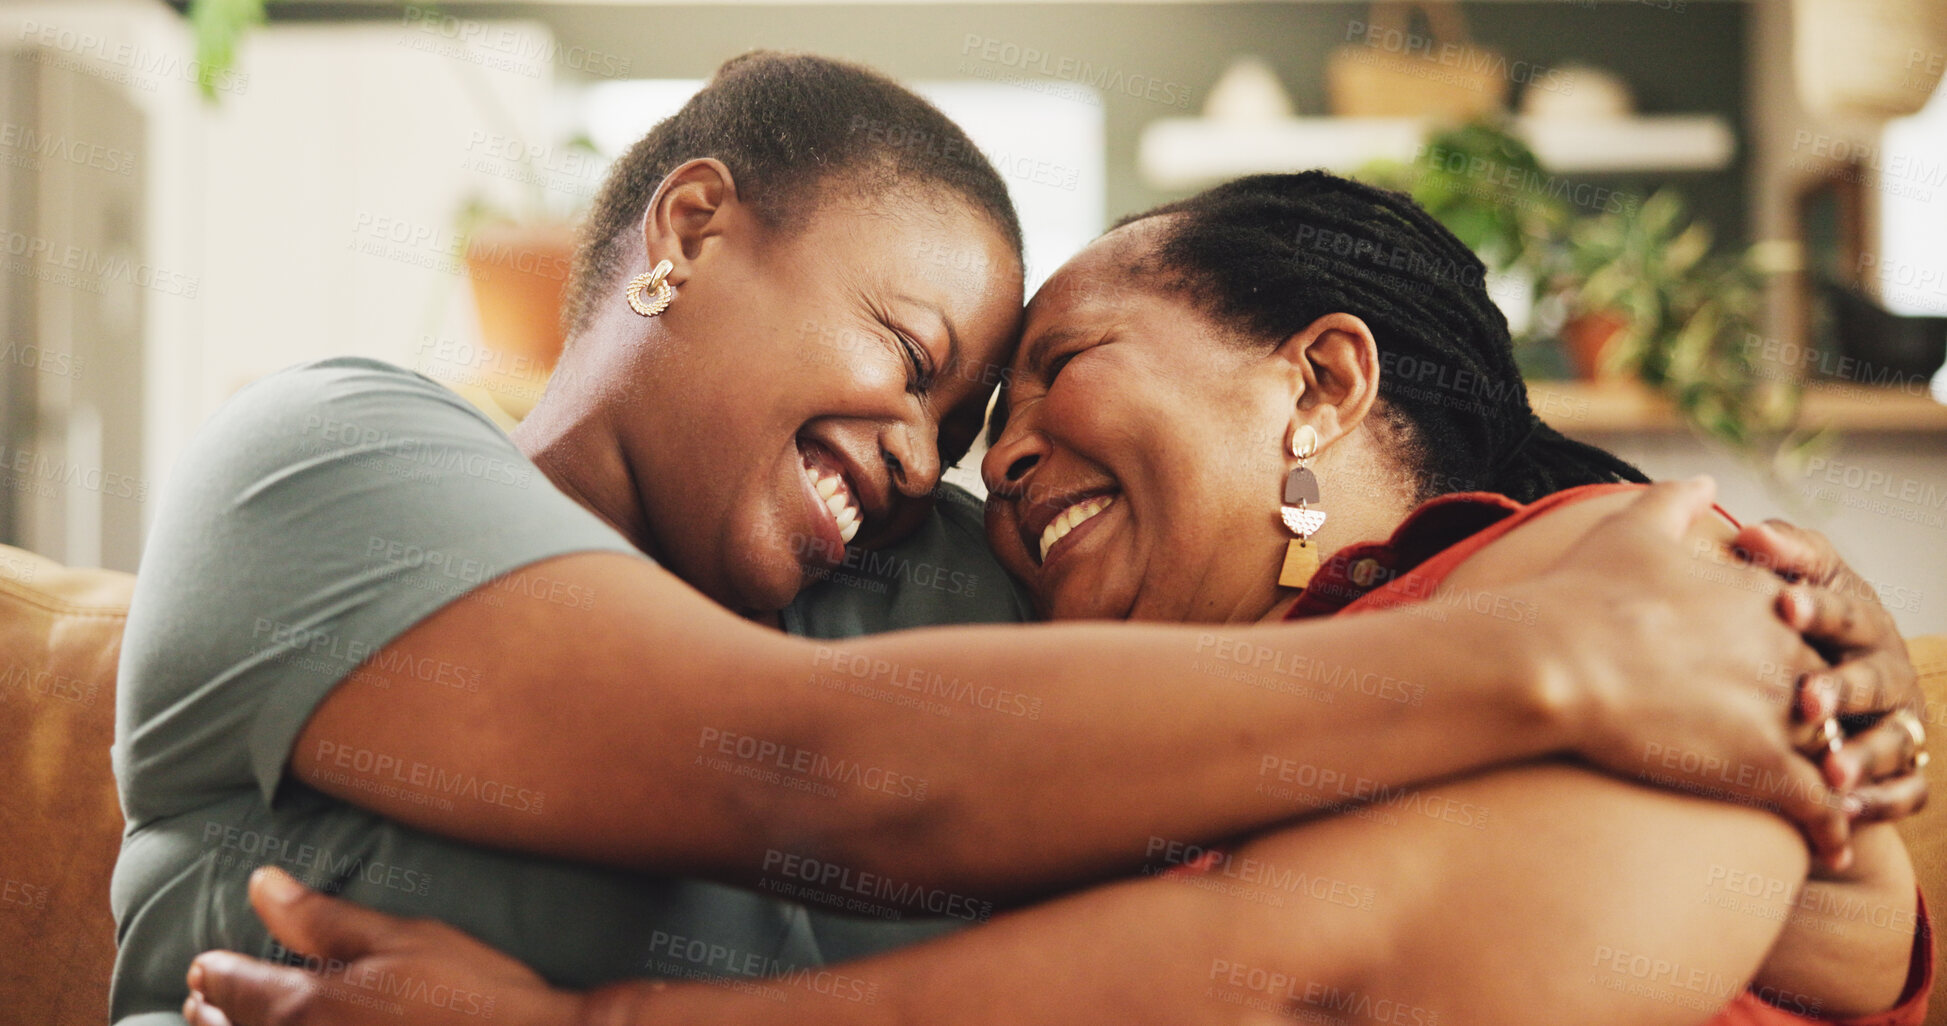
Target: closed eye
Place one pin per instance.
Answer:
(921, 374)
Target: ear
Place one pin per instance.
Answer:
(689, 213)
(1334, 365)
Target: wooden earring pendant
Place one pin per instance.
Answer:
(1299, 514)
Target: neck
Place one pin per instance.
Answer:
(1287, 597)
(570, 437)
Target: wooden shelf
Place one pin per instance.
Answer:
(1591, 407)
(1187, 152)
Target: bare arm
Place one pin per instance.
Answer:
(1554, 895)
(1848, 937)
(658, 731)
(1564, 896)
(1575, 899)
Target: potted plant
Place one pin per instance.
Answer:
(1460, 177)
(1456, 177)
(1644, 296)
(518, 253)
(518, 264)
(1631, 291)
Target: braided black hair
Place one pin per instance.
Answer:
(786, 125)
(1270, 254)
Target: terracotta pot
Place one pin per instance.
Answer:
(520, 272)
(1589, 337)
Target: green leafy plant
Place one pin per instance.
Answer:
(1461, 177)
(1636, 286)
(218, 25)
(1681, 315)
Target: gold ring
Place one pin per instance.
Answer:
(1829, 736)
(1916, 739)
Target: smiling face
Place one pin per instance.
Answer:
(810, 379)
(1138, 474)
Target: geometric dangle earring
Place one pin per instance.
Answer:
(1301, 513)
(656, 283)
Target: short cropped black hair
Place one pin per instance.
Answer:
(786, 125)
(1269, 254)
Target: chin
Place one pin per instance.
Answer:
(763, 574)
(767, 586)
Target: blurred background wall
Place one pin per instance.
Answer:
(1686, 61)
(369, 176)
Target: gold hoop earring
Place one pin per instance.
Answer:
(655, 282)
(1299, 513)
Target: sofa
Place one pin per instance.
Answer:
(61, 824)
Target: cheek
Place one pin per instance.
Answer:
(876, 375)
(1213, 493)
(1004, 537)
(1100, 407)
(829, 362)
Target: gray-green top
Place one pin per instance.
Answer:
(318, 515)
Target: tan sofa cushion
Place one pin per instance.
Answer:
(1926, 833)
(60, 635)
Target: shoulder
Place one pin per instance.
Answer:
(1548, 529)
(963, 515)
(346, 398)
(298, 421)
(324, 510)
(943, 573)
(963, 521)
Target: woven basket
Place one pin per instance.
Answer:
(1390, 71)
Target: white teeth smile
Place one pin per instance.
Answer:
(1071, 518)
(838, 499)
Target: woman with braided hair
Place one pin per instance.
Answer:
(1216, 411)
(1301, 313)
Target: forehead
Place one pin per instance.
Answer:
(919, 234)
(1108, 275)
(926, 247)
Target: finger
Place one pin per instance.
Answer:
(247, 991)
(1871, 756)
(1817, 739)
(1818, 700)
(1830, 618)
(1788, 550)
(1895, 799)
(1862, 686)
(200, 1014)
(316, 924)
(1668, 508)
(1821, 816)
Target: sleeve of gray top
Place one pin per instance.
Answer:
(322, 512)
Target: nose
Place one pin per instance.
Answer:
(1013, 456)
(912, 455)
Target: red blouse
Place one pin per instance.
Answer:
(1410, 566)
